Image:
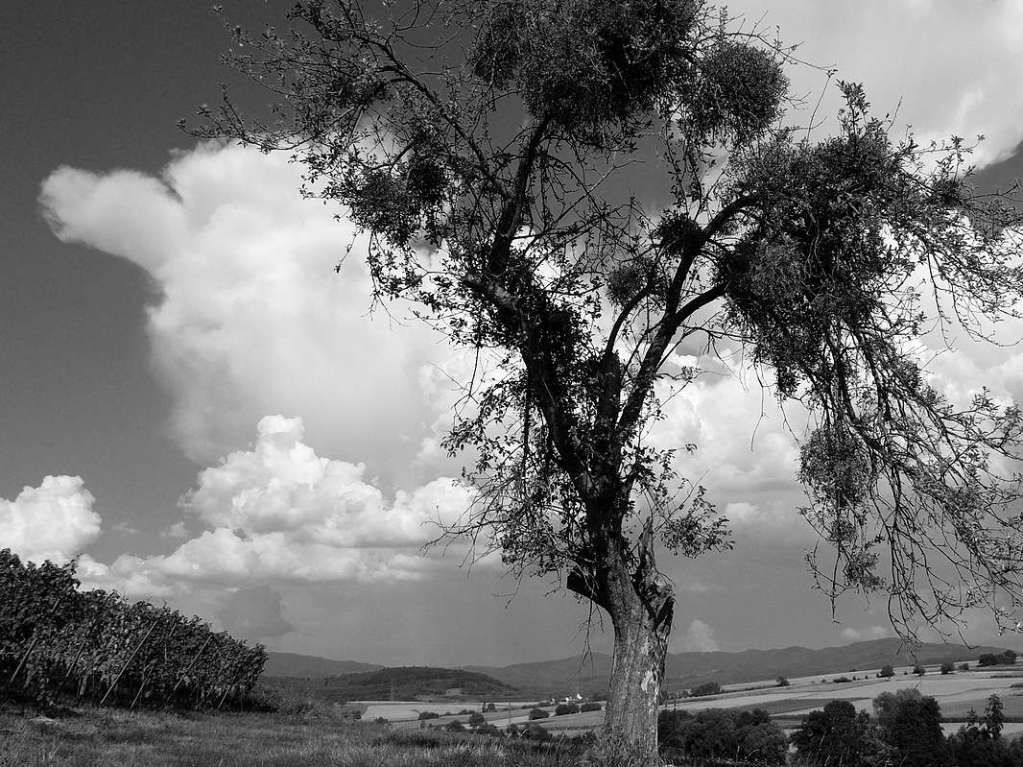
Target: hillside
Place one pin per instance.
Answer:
(690, 668)
(291, 664)
(397, 683)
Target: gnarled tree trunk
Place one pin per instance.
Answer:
(637, 671)
(640, 603)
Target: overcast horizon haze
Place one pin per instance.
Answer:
(175, 339)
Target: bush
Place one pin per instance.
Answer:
(836, 735)
(488, 729)
(1008, 658)
(886, 672)
(721, 734)
(490, 707)
(476, 719)
(428, 715)
(566, 708)
(535, 732)
(707, 688)
(841, 679)
(987, 659)
(964, 666)
(947, 668)
(919, 670)
(538, 713)
(782, 681)
(590, 706)
(455, 726)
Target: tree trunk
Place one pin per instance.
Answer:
(637, 671)
(641, 603)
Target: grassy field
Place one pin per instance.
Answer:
(118, 739)
(112, 738)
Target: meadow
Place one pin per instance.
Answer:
(108, 738)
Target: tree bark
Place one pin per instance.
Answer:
(637, 671)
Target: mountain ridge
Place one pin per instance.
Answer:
(588, 674)
(688, 669)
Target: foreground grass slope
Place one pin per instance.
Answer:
(118, 739)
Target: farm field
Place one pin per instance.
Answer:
(956, 693)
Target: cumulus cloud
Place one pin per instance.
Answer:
(279, 512)
(851, 634)
(54, 521)
(917, 59)
(254, 613)
(699, 637)
(250, 316)
(746, 454)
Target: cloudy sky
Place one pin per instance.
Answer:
(198, 407)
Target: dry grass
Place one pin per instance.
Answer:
(116, 739)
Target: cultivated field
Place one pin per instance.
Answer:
(956, 693)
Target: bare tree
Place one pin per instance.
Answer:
(496, 152)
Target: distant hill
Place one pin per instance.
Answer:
(409, 682)
(293, 665)
(589, 675)
(399, 683)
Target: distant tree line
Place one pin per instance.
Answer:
(58, 643)
(1007, 658)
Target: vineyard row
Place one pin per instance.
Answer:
(60, 643)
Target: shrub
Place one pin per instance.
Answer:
(535, 732)
(428, 715)
(590, 706)
(987, 659)
(919, 670)
(512, 730)
(836, 735)
(455, 726)
(566, 708)
(490, 707)
(964, 666)
(841, 679)
(538, 713)
(886, 672)
(721, 734)
(910, 724)
(782, 681)
(1008, 657)
(476, 719)
(488, 729)
(947, 668)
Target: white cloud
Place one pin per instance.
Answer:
(851, 634)
(948, 68)
(254, 613)
(251, 318)
(746, 455)
(54, 521)
(699, 637)
(279, 512)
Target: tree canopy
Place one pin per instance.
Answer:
(574, 191)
